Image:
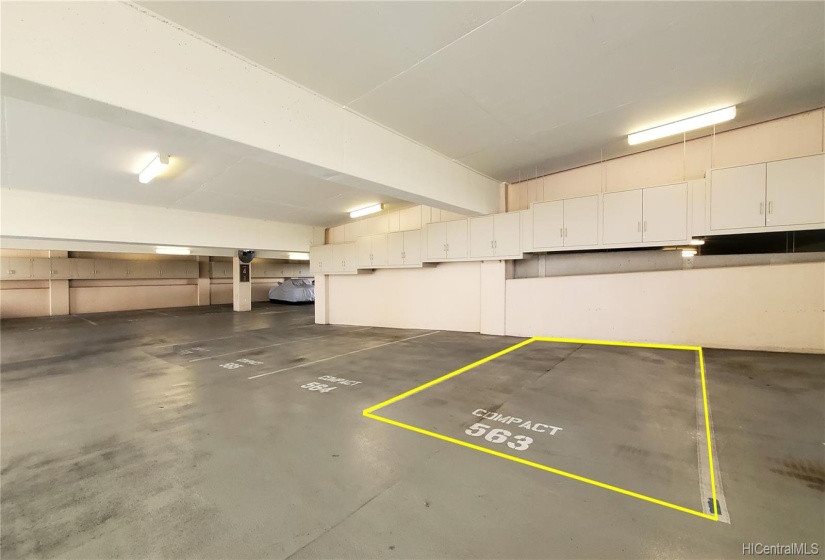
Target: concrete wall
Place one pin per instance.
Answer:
(766, 307)
(779, 307)
(446, 297)
(97, 296)
(794, 136)
(24, 298)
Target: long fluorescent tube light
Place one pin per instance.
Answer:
(172, 251)
(697, 241)
(687, 253)
(365, 211)
(299, 256)
(155, 166)
(684, 125)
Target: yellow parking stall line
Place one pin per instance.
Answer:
(369, 413)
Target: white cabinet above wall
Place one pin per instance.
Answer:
(339, 258)
(737, 197)
(665, 213)
(447, 240)
(780, 195)
(796, 191)
(572, 222)
(372, 251)
(498, 235)
(404, 248)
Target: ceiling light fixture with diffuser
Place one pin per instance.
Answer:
(366, 211)
(172, 251)
(158, 164)
(684, 125)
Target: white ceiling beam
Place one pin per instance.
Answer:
(126, 56)
(28, 214)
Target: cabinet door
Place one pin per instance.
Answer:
(482, 236)
(436, 240)
(174, 269)
(317, 256)
(343, 257)
(581, 221)
(395, 248)
(61, 268)
(796, 191)
(41, 268)
(4, 268)
(363, 249)
(84, 269)
(379, 250)
(548, 224)
(665, 213)
(410, 218)
(412, 247)
(457, 239)
(507, 234)
(737, 197)
(622, 217)
(145, 269)
(19, 268)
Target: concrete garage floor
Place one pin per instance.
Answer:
(140, 434)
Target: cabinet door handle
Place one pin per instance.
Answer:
(561, 232)
(565, 232)
(761, 208)
(770, 207)
(448, 247)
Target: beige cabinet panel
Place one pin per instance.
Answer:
(508, 234)
(665, 213)
(16, 268)
(622, 217)
(394, 222)
(436, 233)
(457, 239)
(482, 237)
(62, 268)
(395, 248)
(344, 257)
(581, 221)
(221, 269)
(320, 259)
(412, 247)
(41, 268)
(737, 197)
(84, 269)
(796, 191)
(548, 224)
(144, 269)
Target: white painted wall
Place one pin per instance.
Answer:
(203, 86)
(39, 215)
(779, 308)
(445, 297)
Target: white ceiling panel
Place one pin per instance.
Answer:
(338, 49)
(507, 88)
(57, 143)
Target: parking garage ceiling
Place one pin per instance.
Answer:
(514, 89)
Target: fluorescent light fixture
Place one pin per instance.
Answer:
(172, 251)
(299, 256)
(155, 166)
(697, 241)
(684, 125)
(687, 253)
(366, 211)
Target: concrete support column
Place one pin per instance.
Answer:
(204, 282)
(493, 277)
(321, 299)
(58, 290)
(241, 291)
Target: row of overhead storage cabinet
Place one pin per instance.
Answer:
(262, 269)
(57, 268)
(772, 196)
